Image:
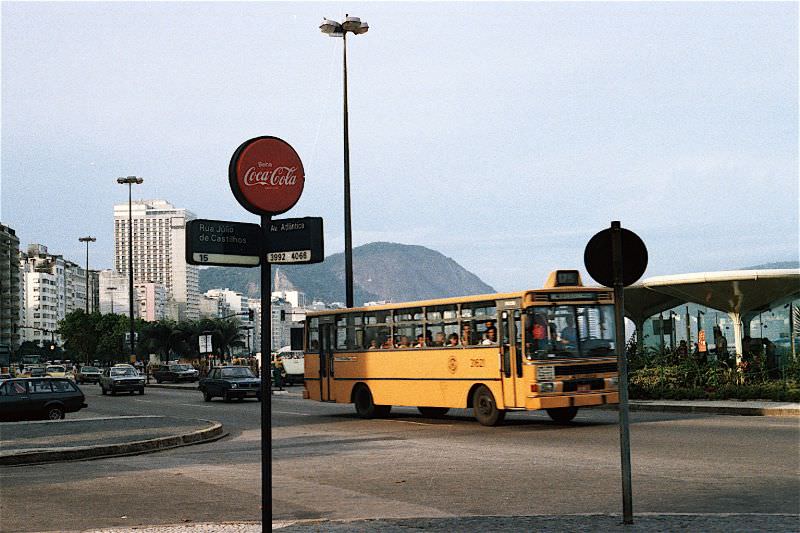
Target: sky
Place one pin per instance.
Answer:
(503, 135)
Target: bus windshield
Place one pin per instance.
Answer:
(569, 331)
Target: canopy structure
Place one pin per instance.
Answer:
(740, 293)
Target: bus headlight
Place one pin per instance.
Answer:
(545, 373)
(547, 387)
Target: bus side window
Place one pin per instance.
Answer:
(476, 320)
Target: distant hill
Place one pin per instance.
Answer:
(381, 271)
(771, 266)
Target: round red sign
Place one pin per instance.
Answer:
(266, 176)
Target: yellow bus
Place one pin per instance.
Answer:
(551, 348)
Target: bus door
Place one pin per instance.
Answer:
(327, 334)
(511, 365)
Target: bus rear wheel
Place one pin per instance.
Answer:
(365, 407)
(485, 408)
(433, 412)
(562, 415)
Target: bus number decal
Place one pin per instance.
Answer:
(477, 362)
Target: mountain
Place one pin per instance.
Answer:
(381, 271)
(770, 266)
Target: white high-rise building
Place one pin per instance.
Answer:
(159, 252)
(114, 296)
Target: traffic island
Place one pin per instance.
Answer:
(24, 443)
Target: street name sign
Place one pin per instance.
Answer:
(296, 240)
(223, 243)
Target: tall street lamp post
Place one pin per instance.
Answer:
(334, 29)
(111, 292)
(129, 181)
(87, 240)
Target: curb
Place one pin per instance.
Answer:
(52, 455)
(172, 387)
(719, 410)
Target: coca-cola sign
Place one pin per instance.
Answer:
(266, 176)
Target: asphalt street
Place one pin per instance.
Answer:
(329, 464)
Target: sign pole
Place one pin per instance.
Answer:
(619, 320)
(266, 374)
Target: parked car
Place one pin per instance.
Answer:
(229, 382)
(56, 371)
(88, 374)
(50, 398)
(123, 378)
(37, 372)
(175, 373)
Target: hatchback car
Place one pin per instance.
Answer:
(56, 371)
(121, 379)
(230, 382)
(50, 398)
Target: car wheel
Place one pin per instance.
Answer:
(485, 408)
(226, 397)
(141, 391)
(54, 413)
(103, 390)
(113, 392)
(206, 396)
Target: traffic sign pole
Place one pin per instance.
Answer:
(619, 320)
(266, 375)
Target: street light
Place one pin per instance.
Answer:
(87, 240)
(334, 29)
(129, 181)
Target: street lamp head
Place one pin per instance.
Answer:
(87, 239)
(363, 28)
(351, 24)
(331, 27)
(129, 180)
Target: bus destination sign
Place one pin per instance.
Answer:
(296, 240)
(222, 243)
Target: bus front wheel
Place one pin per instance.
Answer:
(485, 408)
(562, 415)
(365, 407)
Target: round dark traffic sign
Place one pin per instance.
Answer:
(598, 258)
(266, 176)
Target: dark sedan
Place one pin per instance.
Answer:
(175, 373)
(50, 398)
(230, 382)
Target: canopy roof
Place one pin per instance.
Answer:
(733, 291)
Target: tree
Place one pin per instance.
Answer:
(227, 335)
(79, 332)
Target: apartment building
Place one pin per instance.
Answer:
(152, 301)
(159, 248)
(113, 293)
(10, 292)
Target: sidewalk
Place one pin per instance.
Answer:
(70, 440)
(590, 523)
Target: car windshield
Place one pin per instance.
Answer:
(569, 331)
(89, 369)
(242, 372)
(179, 368)
(123, 372)
(56, 368)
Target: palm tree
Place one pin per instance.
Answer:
(227, 335)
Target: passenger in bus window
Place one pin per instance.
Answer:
(467, 336)
(405, 342)
(490, 336)
(420, 341)
(440, 340)
(452, 340)
(387, 344)
(373, 345)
